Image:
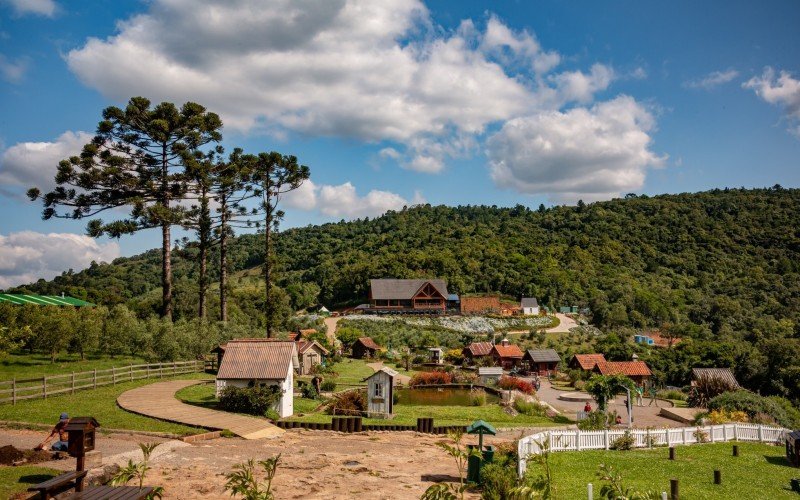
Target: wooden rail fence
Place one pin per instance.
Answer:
(577, 440)
(355, 424)
(15, 390)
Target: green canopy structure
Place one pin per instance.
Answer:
(480, 428)
(22, 299)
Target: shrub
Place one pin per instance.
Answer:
(477, 397)
(250, 400)
(531, 408)
(514, 383)
(431, 378)
(328, 386)
(706, 388)
(596, 421)
(308, 391)
(759, 409)
(462, 377)
(579, 385)
(701, 436)
(497, 481)
(673, 394)
(717, 417)
(624, 442)
(348, 403)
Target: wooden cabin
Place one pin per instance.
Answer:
(585, 362)
(310, 354)
(380, 393)
(638, 371)
(507, 355)
(365, 347)
(541, 361)
(420, 296)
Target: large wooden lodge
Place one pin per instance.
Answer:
(415, 296)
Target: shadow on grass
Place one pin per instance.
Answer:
(439, 478)
(35, 478)
(777, 460)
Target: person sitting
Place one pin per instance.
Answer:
(60, 430)
(587, 407)
(618, 421)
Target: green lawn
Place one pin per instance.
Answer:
(18, 479)
(22, 366)
(761, 471)
(351, 371)
(100, 403)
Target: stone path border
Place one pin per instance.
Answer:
(158, 401)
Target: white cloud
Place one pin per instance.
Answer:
(27, 256)
(12, 71)
(343, 200)
(29, 164)
(781, 90)
(39, 7)
(589, 153)
(712, 80)
(581, 87)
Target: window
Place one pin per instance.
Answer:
(379, 390)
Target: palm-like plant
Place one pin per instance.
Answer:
(242, 480)
(603, 388)
(138, 470)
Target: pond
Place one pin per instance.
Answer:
(439, 396)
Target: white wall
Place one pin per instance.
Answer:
(530, 310)
(285, 405)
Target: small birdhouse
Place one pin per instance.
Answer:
(81, 435)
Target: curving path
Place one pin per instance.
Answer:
(158, 401)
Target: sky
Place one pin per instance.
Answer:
(393, 103)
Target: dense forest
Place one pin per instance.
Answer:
(722, 261)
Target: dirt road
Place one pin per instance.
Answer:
(313, 464)
(330, 323)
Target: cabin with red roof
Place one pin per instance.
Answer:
(507, 355)
(638, 371)
(365, 347)
(585, 362)
(476, 351)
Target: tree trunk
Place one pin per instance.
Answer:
(204, 228)
(268, 265)
(201, 309)
(166, 241)
(223, 262)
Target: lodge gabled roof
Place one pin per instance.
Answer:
(628, 368)
(543, 355)
(257, 359)
(403, 289)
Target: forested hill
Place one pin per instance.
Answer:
(724, 260)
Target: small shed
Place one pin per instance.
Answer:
(437, 355)
(310, 353)
(365, 347)
(507, 355)
(723, 374)
(477, 350)
(487, 374)
(541, 361)
(380, 393)
(530, 306)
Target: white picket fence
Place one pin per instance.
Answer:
(577, 440)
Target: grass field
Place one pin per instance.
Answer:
(101, 403)
(760, 472)
(23, 366)
(18, 479)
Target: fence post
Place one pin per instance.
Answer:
(130, 371)
(674, 489)
(148, 370)
(760, 433)
(717, 477)
(590, 491)
(668, 441)
(94, 378)
(735, 432)
(578, 440)
(711, 432)
(605, 437)
(44, 387)
(113, 376)
(14, 391)
(724, 433)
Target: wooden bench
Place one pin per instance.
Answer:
(58, 484)
(111, 493)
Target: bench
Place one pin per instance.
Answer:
(58, 484)
(111, 493)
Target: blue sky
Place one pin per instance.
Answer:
(398, 102)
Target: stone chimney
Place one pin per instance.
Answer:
(504, 342)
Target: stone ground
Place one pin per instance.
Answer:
(644, 416)
(314, 464)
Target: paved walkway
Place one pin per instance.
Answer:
(158, 401)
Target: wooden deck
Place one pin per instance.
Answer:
(158, 401)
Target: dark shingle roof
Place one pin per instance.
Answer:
(480, 348)
(257, 359)
(543, 355)
(384, 289)
(724, 374)
(530, 302)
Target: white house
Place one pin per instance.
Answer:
(251, 362)
(530, 306)
(380, 393)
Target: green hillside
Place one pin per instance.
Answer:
(722, 259)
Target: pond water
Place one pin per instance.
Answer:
(436, 396)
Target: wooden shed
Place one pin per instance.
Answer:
(380, 393)
(365, 347)
(541, 361)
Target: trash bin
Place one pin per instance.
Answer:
(474, 462)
